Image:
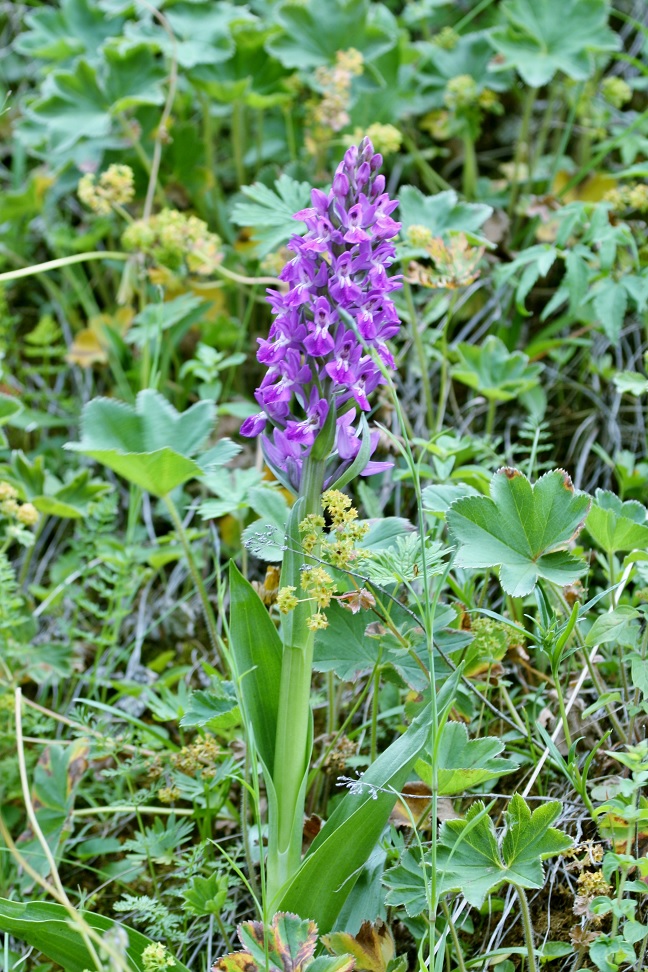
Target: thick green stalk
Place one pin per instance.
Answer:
(294, 737)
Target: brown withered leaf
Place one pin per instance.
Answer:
(372, 948)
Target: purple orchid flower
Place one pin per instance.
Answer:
(336, 307)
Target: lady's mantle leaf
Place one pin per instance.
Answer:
(286, 946)
(614, 525)
(313, 32)
(149, 444)
(555, 35)
(465, 763)
(522, 529)
(470, 858)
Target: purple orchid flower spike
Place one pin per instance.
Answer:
(337, 306)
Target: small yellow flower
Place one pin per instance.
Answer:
(7, 491)
(317, 621)
(27, 514)
(616, 91)
(460, 92)
(115, 187)
(286, 600)
(156, 957)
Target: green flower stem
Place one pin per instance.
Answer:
(461, 965)
(208, 611)
(63, 262)
(490, 416)
(238, 141)
(420, 354)
(593, 671)
(469, 177)
(294, 738)
(527, 926)
(521, 145)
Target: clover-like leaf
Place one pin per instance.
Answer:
(555, 35)
(465, 763)
(522, 529)
(149, 444)
(495, 372)
(614, 525)
(313, 32)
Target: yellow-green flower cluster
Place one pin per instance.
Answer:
(114, 187)
(386, 139)
(176, 241)
(447, 39)
(460, 92)
(156, 957)
(632, 196)
(24, 513)
(332, 111)
(616, 91)
(338, 547)
(286, 600)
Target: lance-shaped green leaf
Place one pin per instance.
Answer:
(555, 35)
(344, 844)
(256, 649)
(470, 859)
(522, 529)
(614, 525)
(464, 763)
(494, 371)
(149, 444)
(47, 928)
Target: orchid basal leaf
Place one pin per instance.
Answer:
(522, 529)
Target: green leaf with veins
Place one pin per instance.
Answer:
(81, 104)
(149, 444)
(472, 55)
(269, 213)
(465, 763)
(471, 860)
(404, 561)
(441, 213)
(314, 32)
(250, 75)
(555, 35)
(76, 27)
(47, 927)
(494, 371)
(522, 529)
(287, 945)
(615, 525)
